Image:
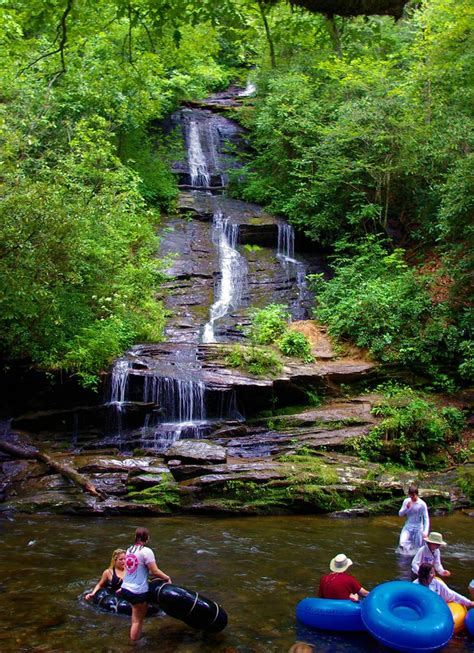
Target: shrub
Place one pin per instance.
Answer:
(268, 324)
(413, 430)
(293, 343)
(381, 304)
(256, 360)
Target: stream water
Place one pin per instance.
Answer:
(256, 568)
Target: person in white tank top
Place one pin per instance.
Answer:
(139, 564)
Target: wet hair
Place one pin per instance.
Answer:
(413, 489)
(424, 573)
(141, 535)
(115, 555)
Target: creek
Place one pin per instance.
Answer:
(256, 568)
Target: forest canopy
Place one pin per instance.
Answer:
(361, 133)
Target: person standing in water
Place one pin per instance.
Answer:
(417, 524)
(139, 564)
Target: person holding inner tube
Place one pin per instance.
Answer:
(338, 584)
(112, 576)
(426, 577)
(429, 553)
(139, 564)
(417, 524)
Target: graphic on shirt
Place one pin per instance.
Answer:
(131, 563)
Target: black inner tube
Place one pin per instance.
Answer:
(194, 609)
(111, 602)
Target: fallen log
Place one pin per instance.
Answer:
(67, 471)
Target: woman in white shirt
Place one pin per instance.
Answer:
(139, 564)
(426, 577)
(417, 524)
(430, 554)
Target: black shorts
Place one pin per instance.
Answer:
(132, 598)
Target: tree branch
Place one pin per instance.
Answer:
(67, 471)
(62, 31)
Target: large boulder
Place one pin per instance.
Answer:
(196, 451)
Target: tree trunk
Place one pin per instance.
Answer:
(268, 33)
(65, 470)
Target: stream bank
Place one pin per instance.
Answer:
(182, 432)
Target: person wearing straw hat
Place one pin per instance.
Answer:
(430, 554)
(338, 584)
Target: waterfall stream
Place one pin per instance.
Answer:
(232, 273)
(162, 384)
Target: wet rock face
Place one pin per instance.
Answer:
(196, 451)
(209, 136)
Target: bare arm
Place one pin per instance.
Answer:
(104, 579)
(157, 573)
(356, 596)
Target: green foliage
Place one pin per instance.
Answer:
(381, 304)
(413, 430)
(268, 324)
(252, 248)
(466, 481)
(293, 343)
(151, 160)
(81, 168)
(256, 360)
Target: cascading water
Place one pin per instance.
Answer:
(156, 391)
(181, 400)
(233, 273)
(294, 269)
(119, 382)
(198, 168)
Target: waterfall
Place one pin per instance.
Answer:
(181, 400)
(293, 268)
(286, 242)
(119, 382)
(232, 270)
(250, 89)
(198, 168)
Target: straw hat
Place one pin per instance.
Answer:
(340, 563)
(435, 538)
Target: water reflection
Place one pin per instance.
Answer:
(258, 569)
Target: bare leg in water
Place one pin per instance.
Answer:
(138, 616)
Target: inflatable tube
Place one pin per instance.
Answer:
(330, 614)
(195, 610)
(407, 617)
(111, 602)
(469, 622)
(459, 613)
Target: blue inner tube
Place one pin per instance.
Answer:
(194, 609)
(407, 617)
(330, 614)
(111, 602)
(469, 622)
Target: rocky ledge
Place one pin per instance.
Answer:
(295, 463)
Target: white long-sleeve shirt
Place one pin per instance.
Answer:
(426, 555)
(446, 593)
(416, 515)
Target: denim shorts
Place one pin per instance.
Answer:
(132, 598)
